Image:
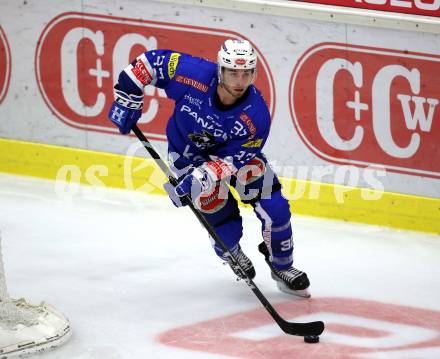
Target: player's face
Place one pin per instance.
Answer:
(237, 81)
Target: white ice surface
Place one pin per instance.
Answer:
(125, 267)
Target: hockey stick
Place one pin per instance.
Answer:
(300, 329)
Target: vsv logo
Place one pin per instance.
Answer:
(5, 65)
(368, 106)
(80, 56)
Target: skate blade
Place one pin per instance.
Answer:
(303, 293)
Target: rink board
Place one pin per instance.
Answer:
(69, 167)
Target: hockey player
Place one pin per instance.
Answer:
(215, 136)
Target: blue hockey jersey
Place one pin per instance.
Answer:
(198, 128)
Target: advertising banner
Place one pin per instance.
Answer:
(415, 7)
(369, 106)
(5, 64)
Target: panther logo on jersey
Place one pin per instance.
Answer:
(204, 140)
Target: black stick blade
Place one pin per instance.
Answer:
(302, 329)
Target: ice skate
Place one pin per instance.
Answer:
(245, 263)
(291, 280)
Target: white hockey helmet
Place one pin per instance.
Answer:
(237, 54)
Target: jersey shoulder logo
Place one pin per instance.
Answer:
(141, 73)
(172, 64)
(253, 143)
(249, 123)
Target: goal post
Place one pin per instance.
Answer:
(25, 328)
